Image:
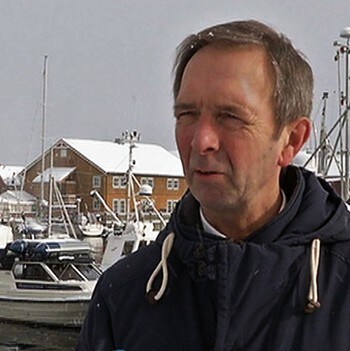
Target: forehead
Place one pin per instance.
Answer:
(230, 67)
(255, 57)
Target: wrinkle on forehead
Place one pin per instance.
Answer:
(258, 69)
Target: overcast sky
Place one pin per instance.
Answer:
(110, 61)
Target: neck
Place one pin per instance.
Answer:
(238, 225)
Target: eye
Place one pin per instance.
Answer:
(229, 116)
(231, 120)
(186, 116)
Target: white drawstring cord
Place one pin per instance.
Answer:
(312, 298)
(167, 245)
(166, 248)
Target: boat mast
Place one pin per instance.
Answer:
(325, 152)
(131, 138)
(49, 227)
(43, 132)
(344, 49)
(322, 155)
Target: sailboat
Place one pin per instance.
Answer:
(48, 280)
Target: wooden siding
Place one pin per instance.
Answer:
(79, 183)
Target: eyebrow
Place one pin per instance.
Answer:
(184, 106)
(237, 108)
(234, 108)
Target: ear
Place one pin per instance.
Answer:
(296, 134)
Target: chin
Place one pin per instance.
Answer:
(213, 202)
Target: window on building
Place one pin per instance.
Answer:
(96, 181)
(173, 184)
(63, 152)
(119, 206)
(119, 182)
(96, 205)
(148, 180)
(170, 205)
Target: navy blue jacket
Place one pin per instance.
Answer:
(224, 295)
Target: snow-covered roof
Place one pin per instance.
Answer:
(9, 174)
(113, 157)
(15, 196)
(58, 173)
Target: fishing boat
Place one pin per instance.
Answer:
(127, 236)
(119, 245)
(124, 238)
(47, 282)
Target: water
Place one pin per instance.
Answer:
(18, 337)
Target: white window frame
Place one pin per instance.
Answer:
(63, 152)
(118, 182)
(96, 205)
(96, 181)
(176, 184)
(170, 205)
(173, 184)
(147, 180)
(119, 206)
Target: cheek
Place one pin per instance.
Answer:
(183, 139)
(183, 145)
(250, 155)
(240, 150)
(269, 158)
(177, 136)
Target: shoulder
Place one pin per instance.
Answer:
(340, 251)
(337, 240)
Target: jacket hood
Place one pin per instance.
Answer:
(272, 275)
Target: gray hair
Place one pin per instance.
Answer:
(293, 91)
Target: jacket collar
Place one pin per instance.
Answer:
(313, 209)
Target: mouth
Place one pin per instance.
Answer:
(205, 172)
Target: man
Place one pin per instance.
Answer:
(256, 255)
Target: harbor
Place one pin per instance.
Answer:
(80, 189)
(51, 258)
(21, 336)
(18, 337)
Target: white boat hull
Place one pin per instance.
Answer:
(6, 235)
(42, 302)
(52, 313)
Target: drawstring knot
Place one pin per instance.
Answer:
(153, 295)
(312, 298)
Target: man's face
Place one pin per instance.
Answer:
(225, 128)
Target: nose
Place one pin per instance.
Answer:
(206, 136)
